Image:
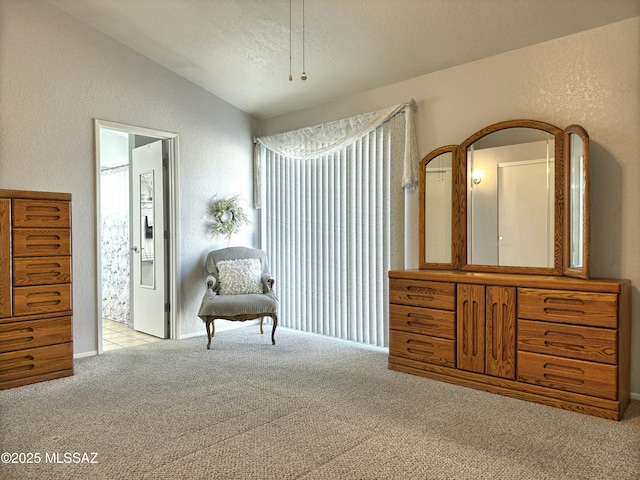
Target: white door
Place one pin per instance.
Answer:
(525, 214)
(148, 241)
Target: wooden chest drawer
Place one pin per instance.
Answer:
(34, 333)
(588, 378)
(5, 257)
(35, 361)
(582, 343)
(562, 306)
(41, 299)
(41, 213)
(423, 348)
(421, 293)
(425, 321)
(30, 242)
(41, 270)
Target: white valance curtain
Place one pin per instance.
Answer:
(328, 138)
(333, 220)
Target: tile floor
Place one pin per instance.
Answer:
(117, 335)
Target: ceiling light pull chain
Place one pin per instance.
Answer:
(290, 69)
(304, 75)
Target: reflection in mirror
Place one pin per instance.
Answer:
(576, 254)
(147, 264)
(577, 185)
(511, 199)
(437, 208)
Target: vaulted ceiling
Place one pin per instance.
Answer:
(239, 49)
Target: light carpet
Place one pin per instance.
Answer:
(308, 408)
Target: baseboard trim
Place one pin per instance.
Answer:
(91, 353)
(634, 396)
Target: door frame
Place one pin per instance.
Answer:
(173, 266)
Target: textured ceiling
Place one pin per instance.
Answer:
(239, 49)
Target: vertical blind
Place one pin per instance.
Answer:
(333, 226)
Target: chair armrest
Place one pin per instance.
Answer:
(211, 282)
(268, 281)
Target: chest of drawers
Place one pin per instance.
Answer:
(559, 341)
(36, 342)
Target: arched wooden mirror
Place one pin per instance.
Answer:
(513, 196)
(438, 213)
(511, 204)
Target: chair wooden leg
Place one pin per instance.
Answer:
(261, 322)
(273, 330)
(211, 330)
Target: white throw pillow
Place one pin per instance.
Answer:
(240, 276)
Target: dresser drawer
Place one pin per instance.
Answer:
(562, 306)
(41, 213)
(421, 293)
(41, 299)
(34, 333)
(422, 348)
(582, 343)
(588, 378)
(30, 242)
(35, 361)
(41, 270)
(425, 321)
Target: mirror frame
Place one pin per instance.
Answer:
(562, 203)
(558, 135)
(582, 272)
(455, 217)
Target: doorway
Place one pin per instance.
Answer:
(136, 235)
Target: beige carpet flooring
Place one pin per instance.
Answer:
(307, 408)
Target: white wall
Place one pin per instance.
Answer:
(591, 78)
(56, 75)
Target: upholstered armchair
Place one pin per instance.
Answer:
(239, 288)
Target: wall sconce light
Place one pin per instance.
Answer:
(477, 177)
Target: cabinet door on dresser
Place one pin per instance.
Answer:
(486, 329)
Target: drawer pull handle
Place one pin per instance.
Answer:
(43, 237)
(561, 379)
(564, 301)
(422, 325)
(44, 303)
(420, 352)
(430, 349)
(17, 341)
(32, 299)
(54, 218)
(420, 316)
(420, 297)
(566, 346)
(42, 208)
(427, 290)
(18, 333)
(564, 368)
(563, 311)
(25, 364)
(37, 276)
(551, 333)
(41, 266)
(420, 343)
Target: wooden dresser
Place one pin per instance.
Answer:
(36, 341)
(559, 341)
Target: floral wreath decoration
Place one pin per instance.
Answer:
(227, 216)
